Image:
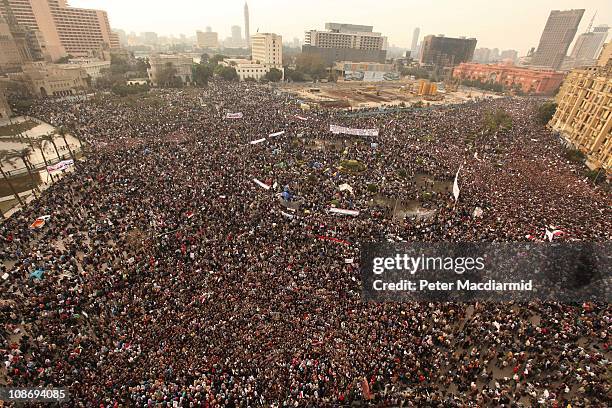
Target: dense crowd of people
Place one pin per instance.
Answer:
(171, 278)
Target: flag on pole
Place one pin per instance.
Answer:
(261, 184)
(456, 185)
(263, 139)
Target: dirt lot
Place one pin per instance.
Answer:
(374, 94)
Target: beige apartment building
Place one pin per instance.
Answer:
(66, 30)
(45, 79)
(267, 49)
(583, 115)
(10, 57)
(181, 63)
(208, 39)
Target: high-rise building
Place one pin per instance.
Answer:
(589, 44)
(208, 39)
(150, 38)
(267, 49)
(415, 40)
(66, 30)
(10, 57)
(442, 51)
(247, 34)
(345, 42)
(556, 38)
(236, 33)
(584, 111)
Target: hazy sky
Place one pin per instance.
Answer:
(503, 24)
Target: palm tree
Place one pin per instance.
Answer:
(63, 132)
(24, 155)
(6, 154)
(40, 144)
(50, 137)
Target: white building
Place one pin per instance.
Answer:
(92, 66)
(267, 50)
(246, 68)
(181, 63)
(345, 36)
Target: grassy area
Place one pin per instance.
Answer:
(16, 128)
(21, 183)
(352, 166)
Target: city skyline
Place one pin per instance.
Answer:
(503, 26)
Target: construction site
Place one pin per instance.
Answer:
(371, 95)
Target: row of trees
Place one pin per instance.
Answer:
(487, 86)
(24, 155)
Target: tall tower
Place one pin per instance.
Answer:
(247, 34)
(415, 40)
(558, 34)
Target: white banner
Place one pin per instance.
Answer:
(237, 115)
(263, 139)
(276, 134)
(354, 213)
(63, 165)
(335, 129)
(261, 184)
(301, 117)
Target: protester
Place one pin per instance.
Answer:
(171, 278)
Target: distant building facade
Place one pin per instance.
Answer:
(94, 68)
(5, 109)
(208, 39)
(556, 38)
(247, 30)
(267, 49)
(442, 51)
(10, 57)
(365, 71)
(66, 30)
(584, 111)
(531, 81)
(345, 42)
(246, 69)
(415, 40)
(159, 62)
(44, 79)
(586, 48)
(511, 55)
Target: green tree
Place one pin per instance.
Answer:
(274, 75)
(311, 64)
(216, 58)
(7, 155)
(418, 73)
(498, 120)
(167, 77)
(227, 73)
(64, 60)
(546, 111)
(201, 73)
(62, 132)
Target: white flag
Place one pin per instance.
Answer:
(263, 139)
(456, 185)
(261, 184)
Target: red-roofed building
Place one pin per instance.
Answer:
(539, 82)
